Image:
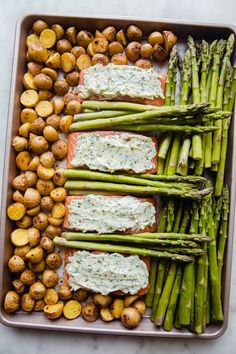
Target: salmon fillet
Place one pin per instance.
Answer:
(148, 228)
(72, 141)
(156, 102)
(68, 252)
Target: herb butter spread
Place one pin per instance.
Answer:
(108, 214)
(116, 152)
(112, 80)
(105, 273)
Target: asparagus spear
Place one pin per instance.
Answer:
(212, 49)
(161, 270)
(219, 101)
(77, 236)
(188, 179)
(221, 170)
(170, 75)
(98, 115)
(60, 241)
(171, 170)
(164, 146)
(165, 296)
(223, 231)
(152, 281)
(170, 215)
(101, 176)
(216, 306)
(71, 235)
(204, 68)
(160, 127)
(169, 318)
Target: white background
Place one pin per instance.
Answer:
(16, 341)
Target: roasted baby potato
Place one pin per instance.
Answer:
(50, 72)
(37, 52)
(44, 187)
(58, 106)
(44, 173)
(143, 63)
(102, 301)
(11, 301)
(33, 236)
(33, 211)
(52, 231)
(83, 62)
(59, 149)
(54, 311)
(63, 46)
(32, 198)
(34, 67)
(59, 30)
(67, 62)
(45, 95)
(91, 50)
(16, 211)
(18, 286)
(99, 58)
(58, 210)
(40, 221)
(106, 315)
(129, 300)
(44, 108)
(61, 87)
(23, 160)
(29, 98)
(84, 38)
(159, 53)
(53, 260)
(132, 51)
(34, 163)
(73, 107)
(71, 34)
(47, 244)
(54, 120)
(51, 297)
(115, 48)
(28, 81)
(110, 33)
(134, 33)
(72, 309)
(16, 264)
(39, 145)
(140, 306)
(32, 38)
(69, 97)
(27, 277)
(37, 290)
(119, 59)
(24, 130)
(47, 159)
(100, 44)
(169, 40)
(116, 308)
(19, 143)
(17, 195)
(50, 134)
(90, 312)
(19, 237)
(146, 51)
(72, 78)
(58, 178)
(155, 38)
(39, 26)
(58, 194)
(42, 81)
(47, 203)
(77, 51)
(39, 305)
(31, 178)
(130, 317)
(48, 38)
(121, 38)
(49, 278)
(35, 255)
(64, 293)
(80, 295)
(54, 61)
(37, 267)
(25, 222)
(22, 251)
(28, 115)
(65, 123)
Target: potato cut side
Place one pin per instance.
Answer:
(54, 311)
(72, 309)
(28, 81)
(106, 315)
(29, 98)
(44, 109)
(83, 62)
(48, 38)
(32, 38)
(51, 297)
(19, 237)
(16, 211)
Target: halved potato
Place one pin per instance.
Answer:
(19, 237)
(72, 309)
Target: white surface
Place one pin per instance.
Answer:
(16, 341)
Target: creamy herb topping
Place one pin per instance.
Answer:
(105, 214)
(112, 153)
(105, 273)
(112, 80)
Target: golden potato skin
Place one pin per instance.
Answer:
(27, 277)
(155, 38)
(53, 120)
(110, 33)
(58, 178)
(134, 33)
(18, 286)
(73, 107)
(37, 267)
(37, 290)
(52, 231)
(58, 29)
(72, 78)
(39, 145)
(39, 26)
(16, 264)
(11, 301)
(53, 260)
(37, 52)
(132, 51)
(146, 51)
(119, 59)
(115, 48)
(45, 187)
(47, 159)
(43, 81)
(84, 38)
(64, 293)
(102, 301)
(22, 251)
(159, 53)
(90, 312)
(40, 221)
(99, 58)
(143, 64)
(32, 198)
(19, 143)
(47, 203)
(63, 46)
(71, 34)
(25, 222)
(39, 305)
(140, 306)
(33, 236)
(130, 317)
(47, 244)
(61, 87)
(54, 311)
(59, 149)
(77, 51)
(49, 278)
(35, 255)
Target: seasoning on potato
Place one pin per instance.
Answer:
(64, 292)
(119, 59)
(37, 290)
(84, 38)
(39, 145)
(45, 187)
(52, 231)
(72, 309)
(53, 260)
(16, 264)
(90, 312)
(54, 61)
(59, 149)
(54, 311)
(35, 255)
(18, 286)
(47, 244)
(99, 58)
(11, 301)
(134, 33)
(49, 278)
(132, 51)
(37, 52)
(40, 221)
(27, 277)
(130, 317)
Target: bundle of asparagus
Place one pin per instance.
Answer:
(182, 295)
